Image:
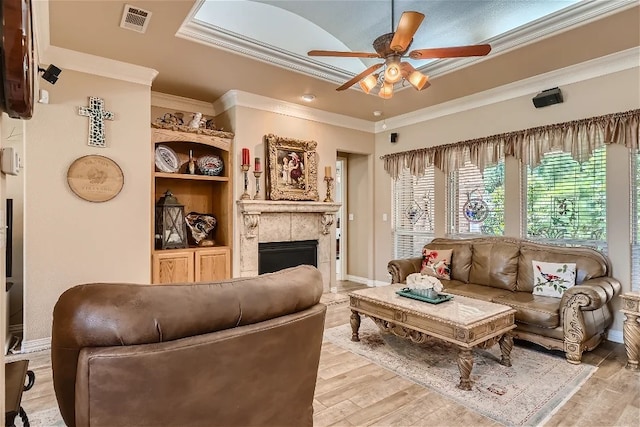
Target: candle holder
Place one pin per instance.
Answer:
(329, 182)
(257, 175)
(245, 195)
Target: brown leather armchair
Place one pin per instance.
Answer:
(243, 352)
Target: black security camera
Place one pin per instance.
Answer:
(50, 74)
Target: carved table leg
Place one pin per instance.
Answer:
(631, 332)
(506, 344)
(355, 325)
(465, 364)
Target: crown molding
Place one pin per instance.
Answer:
(180, 103)
(571, 17)
(210, 35)
(237, 98)
(219, 38)
(598, 67)
(609, 64)
(548, 26)
(98, 66)
(79, 61)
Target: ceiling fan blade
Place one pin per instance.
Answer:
(343, 54)
(407, 27)
(451, 52)
(360, 76)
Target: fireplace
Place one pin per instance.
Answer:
(274, 256)
(286, 222)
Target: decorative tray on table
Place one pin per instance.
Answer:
(421, 295)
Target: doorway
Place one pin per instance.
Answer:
(341, 225)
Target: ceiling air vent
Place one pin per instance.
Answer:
(135, 19)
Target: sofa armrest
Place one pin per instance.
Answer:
(594, 293)
(590, 295)
(401, 268)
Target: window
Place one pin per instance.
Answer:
(635, 222)
(413, 200)
(566, 200)
(476, 200)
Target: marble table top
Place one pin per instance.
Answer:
(460, 310)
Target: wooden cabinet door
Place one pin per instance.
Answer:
(173, 267)
(213, 264)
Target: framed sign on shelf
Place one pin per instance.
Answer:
(291, 169)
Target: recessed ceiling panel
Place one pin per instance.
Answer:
(283, 31)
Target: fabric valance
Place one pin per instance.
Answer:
(578, 137)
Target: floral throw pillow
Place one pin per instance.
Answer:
(436, 263)
(551, 279)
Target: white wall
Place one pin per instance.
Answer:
(616, 92)
(69, 241)
(358, 218)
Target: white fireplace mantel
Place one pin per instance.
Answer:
(263, 221)
(270, 206)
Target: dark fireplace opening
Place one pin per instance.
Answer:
(274, 256)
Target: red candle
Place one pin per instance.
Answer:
(245, 156)
(256, 166)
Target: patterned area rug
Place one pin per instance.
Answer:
(525, 394)
(46, 418)
(330, 299)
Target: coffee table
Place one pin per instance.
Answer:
(465, 322)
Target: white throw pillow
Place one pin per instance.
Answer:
(437, 263)
(551, 279)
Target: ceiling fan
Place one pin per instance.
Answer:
(392, 47)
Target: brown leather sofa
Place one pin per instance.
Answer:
(499, 269)
(243, 352)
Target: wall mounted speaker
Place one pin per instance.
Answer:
(393, 137)
(548, 97)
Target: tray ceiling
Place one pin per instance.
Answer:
(203, 50)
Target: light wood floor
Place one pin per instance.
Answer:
(351, 391)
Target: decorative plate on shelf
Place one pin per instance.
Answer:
(210, 165)
(166, 159)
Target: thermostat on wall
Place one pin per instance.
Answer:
(10, 163)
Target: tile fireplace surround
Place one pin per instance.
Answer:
(263, 221)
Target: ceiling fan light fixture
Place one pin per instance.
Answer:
(386, 90)
(393, 46)
(369, 82)
(392, 73)
(418, 80)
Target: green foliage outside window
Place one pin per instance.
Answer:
(566, 200)
(493, 178)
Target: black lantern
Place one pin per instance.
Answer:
(171, 229)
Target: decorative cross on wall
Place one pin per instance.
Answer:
(97, 115)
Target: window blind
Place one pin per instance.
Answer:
(635, 222)
(566, 201)
(475, 201)
(413, 211)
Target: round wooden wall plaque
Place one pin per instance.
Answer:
(95, 178)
